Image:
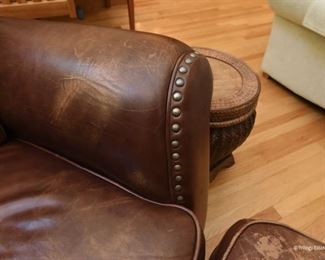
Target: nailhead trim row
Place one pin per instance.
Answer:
(178, 88)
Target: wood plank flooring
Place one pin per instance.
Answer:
(280, 170)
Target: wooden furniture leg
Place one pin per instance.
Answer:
(131, 14)
(130, 4)
(72, 9)
(225, 163)
(108, 3)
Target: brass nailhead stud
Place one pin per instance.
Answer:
(180, 82)
(175, 156)
(176, 111)
(178, 178)
(188, 61)
(178, 187)
(175, 143)
(176, 127)
(177, 96)
(177, 167)
(182, 69)
(180, 198)
(193, 55)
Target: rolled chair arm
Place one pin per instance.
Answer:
(133, 107)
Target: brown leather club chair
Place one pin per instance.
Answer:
(108, 143)
(104, 150)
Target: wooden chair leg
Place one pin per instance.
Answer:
(72, 9)
(131, 14)
(224, 163)
(108, 3)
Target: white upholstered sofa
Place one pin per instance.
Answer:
(295, 55)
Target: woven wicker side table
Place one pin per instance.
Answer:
(236, 89)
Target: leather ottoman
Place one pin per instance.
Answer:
(263, 239)
(236, 89)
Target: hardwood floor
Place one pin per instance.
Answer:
(280, 170)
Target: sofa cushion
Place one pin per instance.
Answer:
(257, 239)
(51, 208)
(308, 13)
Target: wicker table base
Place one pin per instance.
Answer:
(235, 93)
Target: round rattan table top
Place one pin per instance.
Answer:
(235, 88)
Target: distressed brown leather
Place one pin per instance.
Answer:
(100, 97)
(258, 239)
(52, 209)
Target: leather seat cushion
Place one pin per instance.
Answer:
(53, 209)
(257, 239)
